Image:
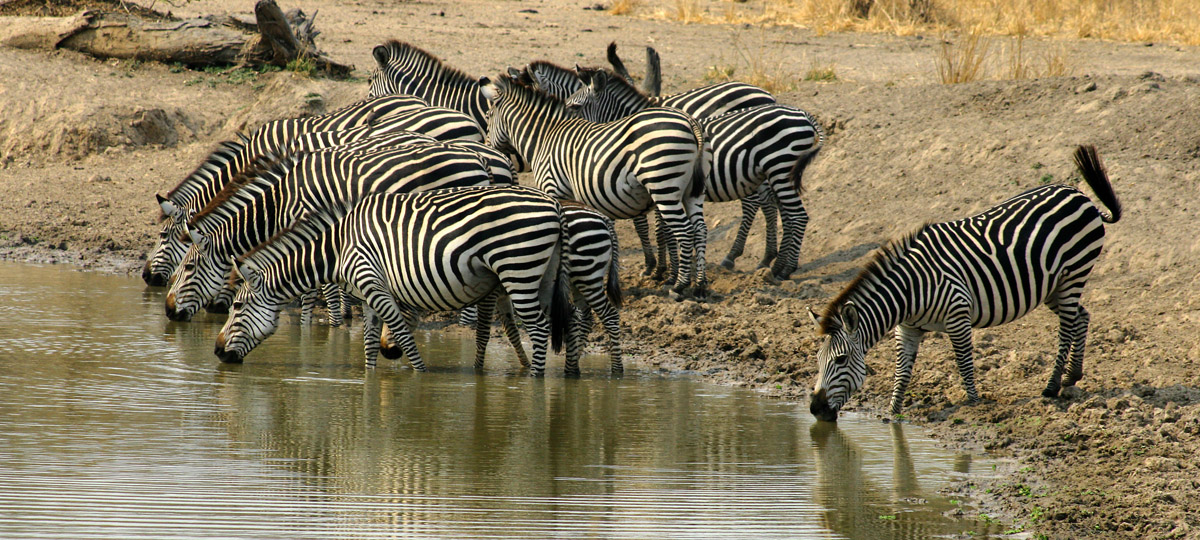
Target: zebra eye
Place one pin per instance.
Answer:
(163, 234)
(189, 267)
(841, 359)
(238, 305)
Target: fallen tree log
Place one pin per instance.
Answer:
(280, 39)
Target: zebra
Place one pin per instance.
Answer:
(653, 159)
(768, 145)
(261, 202)
(436, 250)
(590, 252)
(199, 187)
(498, 163)
(980, 271)
(702, 103)
(407, 69)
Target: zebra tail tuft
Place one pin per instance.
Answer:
(797, 173)
(560, 309)
(612, 288)
(1096, 177)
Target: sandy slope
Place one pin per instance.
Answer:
(84, 144)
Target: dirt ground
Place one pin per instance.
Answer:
(84, 145)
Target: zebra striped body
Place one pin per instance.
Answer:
(653, 159)
(198, 188)
(436, 123)
(977, 272)
(768, 145)
(367, 139)
(401, 253)
(590, 258)
(256, 208)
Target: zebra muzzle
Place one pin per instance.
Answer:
(820, 409)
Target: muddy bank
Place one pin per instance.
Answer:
(1112, 459)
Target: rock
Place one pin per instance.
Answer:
(1089, 87)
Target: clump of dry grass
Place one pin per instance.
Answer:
(1173, 21)
(821, 73)
(622, 7)
(962, 60)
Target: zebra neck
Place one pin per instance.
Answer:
(532, 136)
(303, 265)
(882, 300)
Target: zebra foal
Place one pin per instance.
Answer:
(981, 271)
(401, 253)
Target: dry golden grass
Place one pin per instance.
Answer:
(1172, 21)
(622, 7)
(962, 60)
(758, 64)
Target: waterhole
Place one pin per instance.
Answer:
(115, 423)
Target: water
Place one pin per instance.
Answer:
(115, 423)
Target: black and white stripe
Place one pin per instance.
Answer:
(988, 269)
(403, 253)
(402, 68)
(215, 172)
(261, 203)
(768, 145)
(650, 160)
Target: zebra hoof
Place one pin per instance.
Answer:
(1050, 392)
(727, 264)
(700, 292)
(1072, 378)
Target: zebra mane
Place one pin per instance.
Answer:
(881, 261)
(618, 85)
(403, 53)
(270, 163)
(225, 150)
(552, 71)
(309, 222)
(531, 93)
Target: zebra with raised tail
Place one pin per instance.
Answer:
(651, 160)
(437, 251)
(981, 271)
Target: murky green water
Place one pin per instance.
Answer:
(115, 423)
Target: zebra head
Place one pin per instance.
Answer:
(200, 278)
(841, 363)
(605, 96)
(550, 78)
(498, 121)
(252, 318)
(165, 257)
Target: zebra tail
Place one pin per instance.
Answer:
(701, 168)
(617, 64)
(1096, 177)
(797, 173)
(560, 309)
(612, 287)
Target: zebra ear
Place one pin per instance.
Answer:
(168, 207)
(849, 315)
(488, 89)
(249, 272)
(514, 72)
(816, 319)
(380, 53)
(195, 236)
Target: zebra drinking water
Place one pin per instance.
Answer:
(653, 159)
(981, 271)
(265, 200)
(230, 157)
(438, 250)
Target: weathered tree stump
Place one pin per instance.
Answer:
(274, 39)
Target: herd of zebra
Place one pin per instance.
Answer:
(408, 201)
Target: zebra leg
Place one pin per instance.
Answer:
(380, 299)
(700, 244)
(908, 341)
(1068, 312)
(576, 339)
(308, 300)
(958, 326)
(750, 205)
(513, 335)
(770, 210)
(468, 316)
(795, 221)
(668, 251)
(611, 319)
(642, 226)
(1082, 318)
(483, 327)
(371, 337)
(333, 302)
